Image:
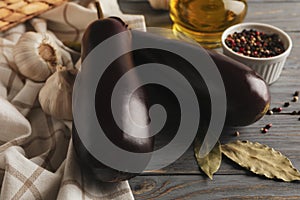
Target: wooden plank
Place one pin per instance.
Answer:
(258, 1)
(222, 187)
(283, 90)
(284, 15)
(184, 180)
(284, 136)
(152, 17)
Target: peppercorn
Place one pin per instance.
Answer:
(277, 109)
(286, 104)
(237, 133)
(270, 112)
(268, 126)
(294, 112)
(295, 98)
(296, 93)
(264, 130)
(260, 44)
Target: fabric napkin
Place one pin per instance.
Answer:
(160, 4)
(37, 160)
(69, 21)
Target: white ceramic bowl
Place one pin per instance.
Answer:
(269, 68)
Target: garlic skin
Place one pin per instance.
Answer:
(56, 95)
(36, 56)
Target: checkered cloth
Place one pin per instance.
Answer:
(160, 4)
(69, 21)
(37, 160)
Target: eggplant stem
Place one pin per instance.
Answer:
(99, 10)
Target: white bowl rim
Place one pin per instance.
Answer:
(249, 24)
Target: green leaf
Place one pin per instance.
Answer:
(261, 159)
(209, 164)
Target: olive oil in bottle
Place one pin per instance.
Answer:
(205, 20)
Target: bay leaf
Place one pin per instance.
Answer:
(209, 164)
(261, 159)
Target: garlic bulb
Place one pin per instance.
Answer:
(56, 95)
(36, 56)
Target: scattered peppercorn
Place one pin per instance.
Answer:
(270, 112)
(295, 98)
(254, 43)
(264, 130)
(286, 104)
(298, 112)
(237, 133)
(268, 126)
(294, 112)
(296, 93)
(299, 118)
(277, 109)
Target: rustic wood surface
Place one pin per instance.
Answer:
(183, 179)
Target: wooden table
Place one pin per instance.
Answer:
(183, 179)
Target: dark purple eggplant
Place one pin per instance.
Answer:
(248, 96)
(96, 33)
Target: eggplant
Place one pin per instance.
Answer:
(248, 97)
(97, 32)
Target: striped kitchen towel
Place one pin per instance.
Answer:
(69, 21)
(37, 160)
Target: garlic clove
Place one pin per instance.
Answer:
(65, 52)
(56, 95)
(36, 56)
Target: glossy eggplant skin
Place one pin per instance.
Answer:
(248, 97)
(96, 33)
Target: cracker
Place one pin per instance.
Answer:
(16, 6)
(53, 2)
(13, 12)
(12, 1)
(2, 4)
(3, 23)
(4, 12)
(14, 17)
(35, 7)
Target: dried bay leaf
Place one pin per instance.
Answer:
(209, 164)
(261, 159)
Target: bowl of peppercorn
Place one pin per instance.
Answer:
(262, 47)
